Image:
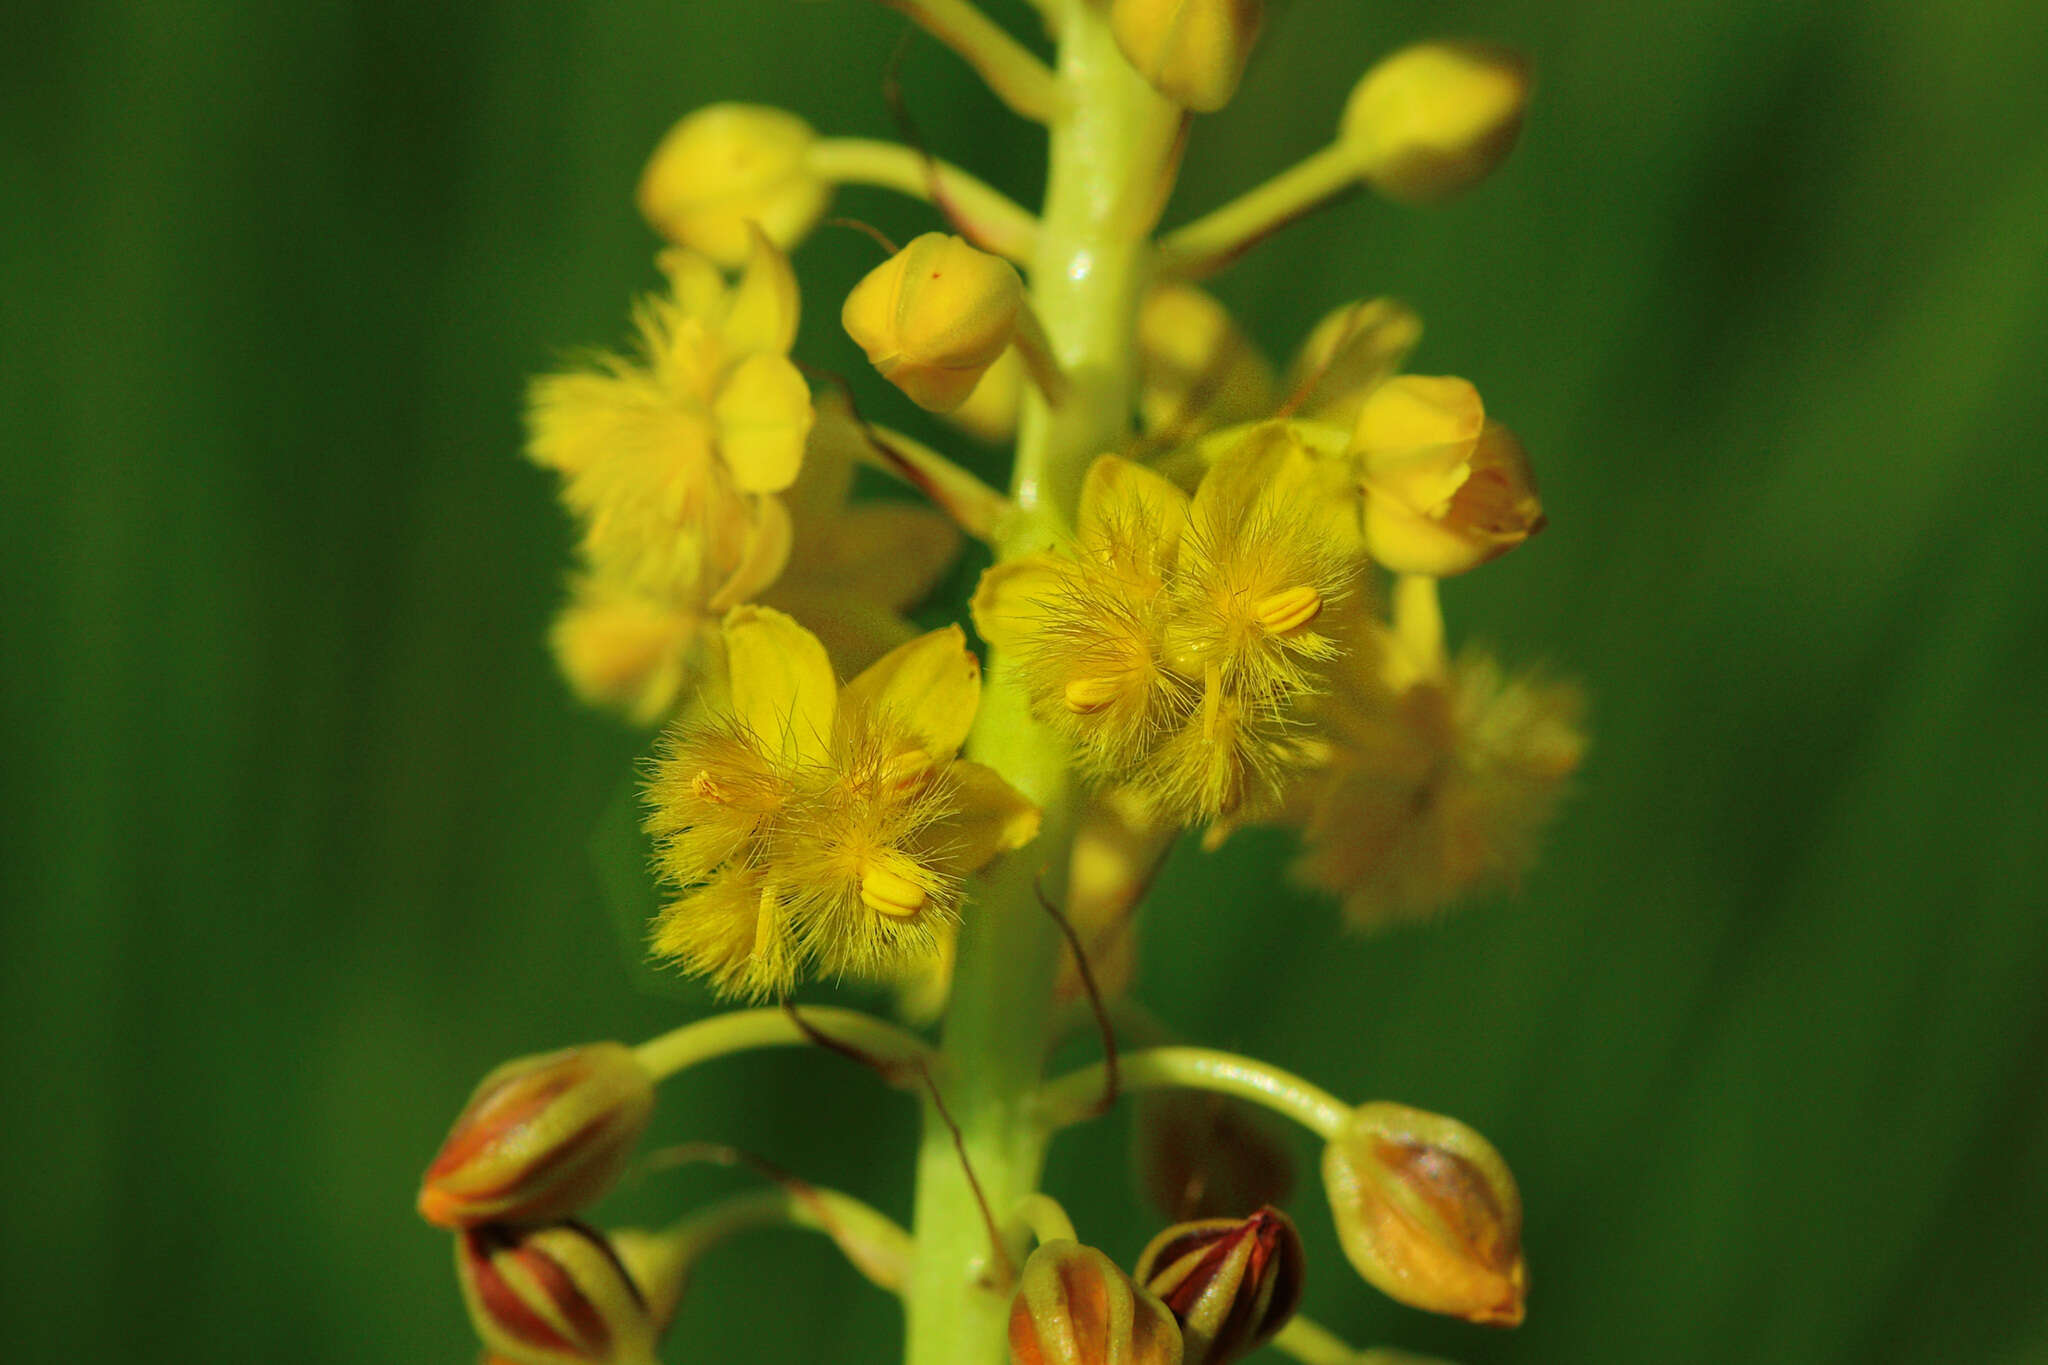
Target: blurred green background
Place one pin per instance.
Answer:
(297, 819)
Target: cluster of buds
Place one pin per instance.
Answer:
(1204, 1293)
(540, 1140)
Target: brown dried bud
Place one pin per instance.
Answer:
(1202, 1155)
(553, 1295)
(1231, 1283)
(1428, 1213)
(1075, 1307)
(541, 1138)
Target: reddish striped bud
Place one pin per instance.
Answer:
(553, 1295)
(1231, 1283)
(1075, 1307)
(541, 1138)
(1428, 1213)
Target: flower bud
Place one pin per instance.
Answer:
(1075, 1307)
(554, 1293)
(727, 165)
(1191, 51)
(1445, 489)
(934, 317)
(1428, 1213)
(542, 1137)
(1434, 119)
(1231, 1283)
(1201, 1155)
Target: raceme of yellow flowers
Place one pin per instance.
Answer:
(1213, 603)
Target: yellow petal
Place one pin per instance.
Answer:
(783, 688)
(1118, 497)
(1011, 602)
(1351, 352)
(694, 283)
(764, 417)
(763, 313)
(994, 817)
(833, 451)
(766, 550)
(1415, 437)
(932, 684)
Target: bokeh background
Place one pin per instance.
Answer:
(298, 824)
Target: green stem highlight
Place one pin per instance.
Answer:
(1073, 1096)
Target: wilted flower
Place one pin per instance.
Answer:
(1428, 1213)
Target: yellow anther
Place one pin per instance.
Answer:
(887, 892)
(1086, 696)
(1289, 609)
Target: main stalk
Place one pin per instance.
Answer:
(1112, 148)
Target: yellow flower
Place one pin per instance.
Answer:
(669, 456)
(1434, 789)
(813, 827)
(728, 169)
(1446, 490)
(1171, 643)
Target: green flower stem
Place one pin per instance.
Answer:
(995, 222)
(1315, 1345)
(874, 1244)
(1216, 239)
(747, 1030)
(1005, 65)
(1112, 145)
(1046, 1219)
(1073, 1097)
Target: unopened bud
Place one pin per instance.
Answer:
(1231, 1283)
(1200, 1155)
(1191, 51)
(1428, 1213)
(557, 1294)
(727, 165)
(934, 317)
(1446, 490)
(1075, 1307)
(541, 1138)
(1433, 120)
